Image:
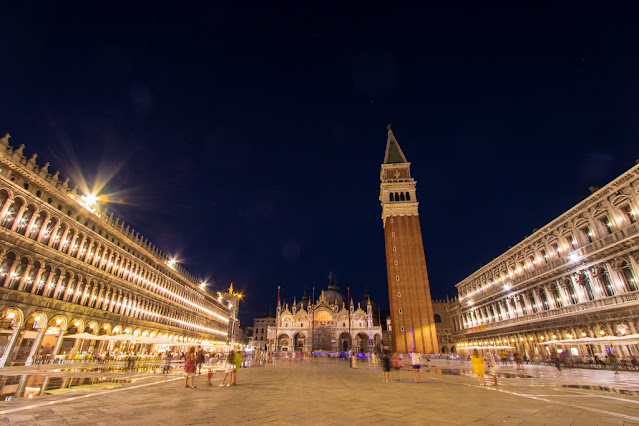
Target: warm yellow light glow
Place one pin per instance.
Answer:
(58, 321)
(36, 319)
(602, 332)
(11, 315)
(106, 327)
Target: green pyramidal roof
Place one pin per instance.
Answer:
(394, 153)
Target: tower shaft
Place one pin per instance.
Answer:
(412, 318)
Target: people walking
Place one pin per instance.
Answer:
(416, 362)
(478, 366)
(199, 359)
(238, 365)
(504, 358)
(396, 364)
(614, 362)
(386, 364)
(189, 368)
(167, 362)
(491, 367)
(229, 369)
(518, 361)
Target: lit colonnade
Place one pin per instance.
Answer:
(68, 266)
(576, 277)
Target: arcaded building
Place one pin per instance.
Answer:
(411, 309)
(572, 282)
(68, 266)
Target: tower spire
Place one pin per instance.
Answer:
(393, 153)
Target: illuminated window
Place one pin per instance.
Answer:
(630, 214)
(587, 233)
(606, 223)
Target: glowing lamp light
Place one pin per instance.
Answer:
(58, 321)
(106, 327)
(583, 334)
(77, 323)
(602, 332)
(554, 336)
(573, 257)
(11, 315)
(531, 339)
(91, 326)
(36, 319)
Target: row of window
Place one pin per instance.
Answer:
(49, 230)
(582, 287)
(400, 196)
(554, 248)
(60, 285)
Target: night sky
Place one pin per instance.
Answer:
(247, 139)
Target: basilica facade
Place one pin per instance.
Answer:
(68, 266)
(571, 285)
(329, 324)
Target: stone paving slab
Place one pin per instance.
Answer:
(329, 392)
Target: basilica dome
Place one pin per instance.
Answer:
(334, 296)
(364, 302)
(302, 304)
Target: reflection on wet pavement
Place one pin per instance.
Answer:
(30, 385)
(604, 388)
(465, 372)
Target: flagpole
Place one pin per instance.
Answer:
(277, 316)
(313, 323)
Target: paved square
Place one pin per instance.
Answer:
(329, 392)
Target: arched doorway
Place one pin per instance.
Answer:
(299, 341)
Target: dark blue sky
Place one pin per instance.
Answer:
(250, 136)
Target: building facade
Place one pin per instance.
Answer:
(575, 278)
(68, 266)
(443, 324)
(411, 309)
(330, 324)
(259, 339)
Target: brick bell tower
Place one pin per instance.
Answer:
(412, 319)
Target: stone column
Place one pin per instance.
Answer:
(579, 290)
(23, 279)
(58, 344)
(7, 277)
(616, 278)
(36, 279)
(36, 346)
(10, 346)
(18, 217)
(549, 297)
(537, 300)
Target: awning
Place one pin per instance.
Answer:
(607, 340)
(471, 348)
